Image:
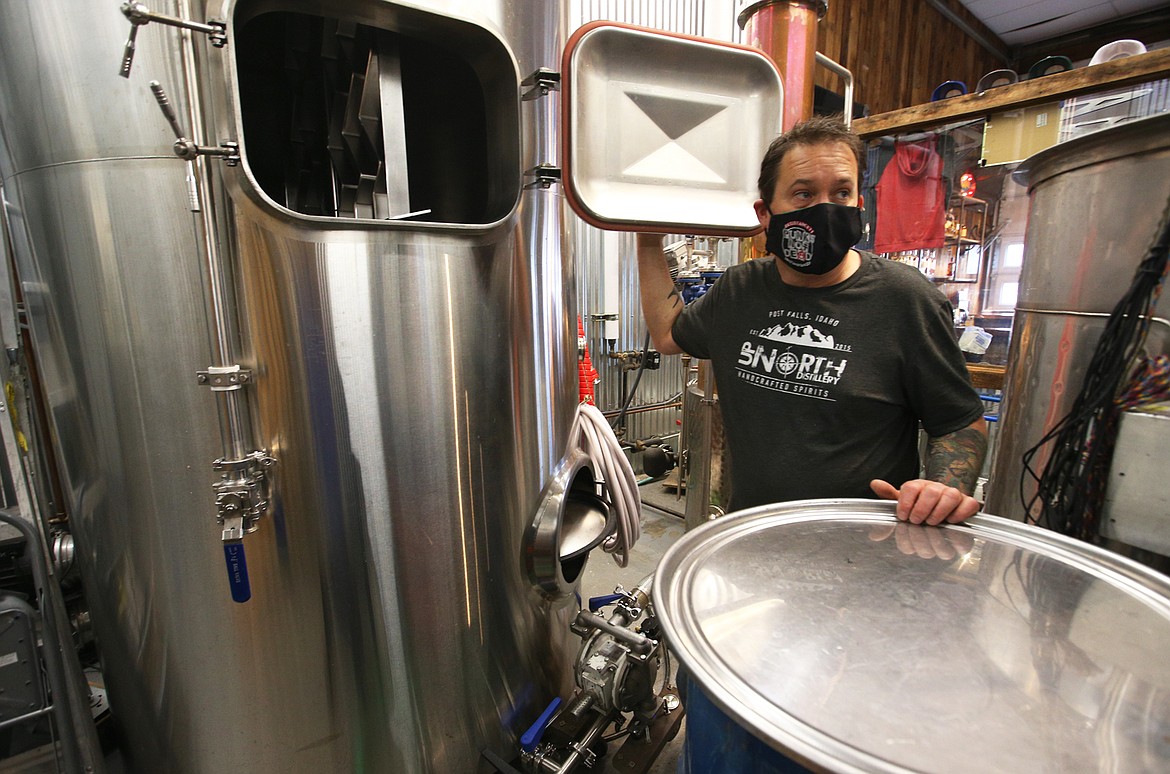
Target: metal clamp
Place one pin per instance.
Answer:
(139, 15)
(187, 149)
(224, 378)
(241, 496)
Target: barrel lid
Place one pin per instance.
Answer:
(852, 642)
(1142, 135)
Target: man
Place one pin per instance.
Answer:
(827, 358)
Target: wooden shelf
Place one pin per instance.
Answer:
(1150, 66)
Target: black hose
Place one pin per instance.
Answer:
(620, 418)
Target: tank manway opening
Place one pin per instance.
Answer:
(391, 114)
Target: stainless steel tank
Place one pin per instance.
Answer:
(414, 378)
(1096, 202)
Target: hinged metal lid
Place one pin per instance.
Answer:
(856, 643)
(664, 132)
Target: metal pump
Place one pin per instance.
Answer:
(616, 671)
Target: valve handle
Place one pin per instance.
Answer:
(531, 737)
(237, 567)
(128, 52)
(596, 603)
(164, 104)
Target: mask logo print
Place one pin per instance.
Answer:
(799, 240)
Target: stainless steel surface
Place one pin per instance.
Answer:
(1088, 228)
(846, 76)
(648, 116)
(1071, 313)
(704, 18)
(416, 381)
(856, 643)
(1136, 509)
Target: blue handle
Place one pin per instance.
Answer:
(237, 567)
(596, 603)
(531, 737)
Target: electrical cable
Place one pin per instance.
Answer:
(633, 389)
(595, 437)
(1070, 488)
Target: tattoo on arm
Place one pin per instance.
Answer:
(674, 298)
(957, 458)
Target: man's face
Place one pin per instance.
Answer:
(813, 174)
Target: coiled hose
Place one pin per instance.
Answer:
(592, 433)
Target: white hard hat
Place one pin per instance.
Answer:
(1118, 49)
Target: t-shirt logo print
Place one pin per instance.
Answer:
(799, 239)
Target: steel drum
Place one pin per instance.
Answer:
(824, 634)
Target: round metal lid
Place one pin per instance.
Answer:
(1144, 135)
(856, 643)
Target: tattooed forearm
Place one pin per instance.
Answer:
(957, 458)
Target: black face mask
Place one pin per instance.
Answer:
(816, 239)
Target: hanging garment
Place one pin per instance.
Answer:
(911, 205)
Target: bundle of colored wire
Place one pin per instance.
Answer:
(1070, 488)
(1151, 383)
(595, 437)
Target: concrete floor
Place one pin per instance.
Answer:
(660, 528)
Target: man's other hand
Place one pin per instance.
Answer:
(927, 502)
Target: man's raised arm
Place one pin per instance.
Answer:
(661, 303)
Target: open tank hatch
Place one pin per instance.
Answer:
(379, 118)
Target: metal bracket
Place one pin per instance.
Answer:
(139, 15)
(224, 378)
(544, 175)
(540, 83)
(188, 151)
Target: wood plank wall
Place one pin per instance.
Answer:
(899, 51)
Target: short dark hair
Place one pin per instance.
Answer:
(813, 131)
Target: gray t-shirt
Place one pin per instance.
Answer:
(822, 389)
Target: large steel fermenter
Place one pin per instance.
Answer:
(1096, 203)
(362, 222)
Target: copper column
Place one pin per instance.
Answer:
(786, 30)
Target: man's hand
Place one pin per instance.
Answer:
(927, 502)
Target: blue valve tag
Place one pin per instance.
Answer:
(531, 737)
(237, 567)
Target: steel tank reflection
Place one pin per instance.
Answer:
(1088, 229)
(413, 379)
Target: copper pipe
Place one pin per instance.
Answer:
(786, 30)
